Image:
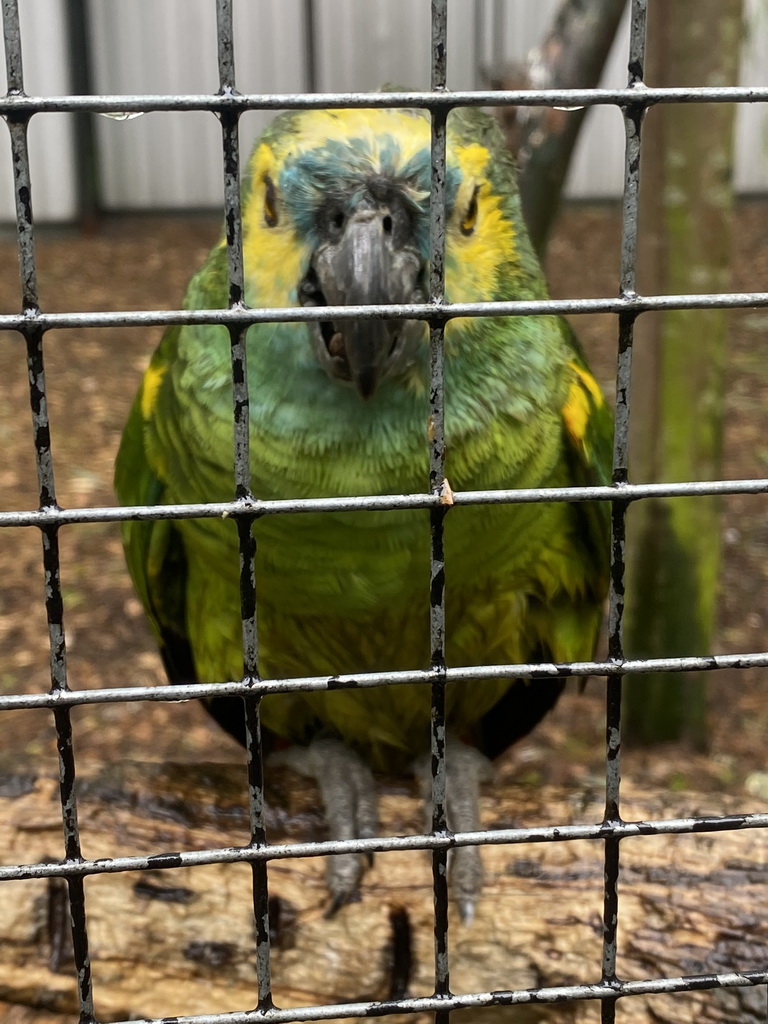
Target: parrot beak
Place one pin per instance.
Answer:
(370, 258)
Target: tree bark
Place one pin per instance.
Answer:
(181, 941)
(686, 211)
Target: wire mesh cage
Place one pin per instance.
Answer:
(35, 326)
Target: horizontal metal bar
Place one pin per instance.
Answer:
(386, 844)
(366, 680)
(442, 312)
(258, 508)
(23, 105)
(478, 1000)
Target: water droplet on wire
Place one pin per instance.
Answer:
(122, 115)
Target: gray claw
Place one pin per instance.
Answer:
(466, 911)
(348, 792)
(466, 768)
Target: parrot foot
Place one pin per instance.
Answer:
(466, 768)
(348, 792)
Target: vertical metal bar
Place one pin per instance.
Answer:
(86, 141)
(17, 127)
(479, 62)
(437, 486)
(54, 603)
(236, 288)
(24, 226)
(633, 115)
(498, 34)
(64, 744)
(310, 47)
(225, 45)
(12, 39)
(258, 839)
(252, 704)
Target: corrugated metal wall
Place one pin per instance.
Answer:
(165, 161)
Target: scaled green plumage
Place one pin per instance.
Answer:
(336, 210)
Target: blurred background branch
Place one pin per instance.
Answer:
(572, 55)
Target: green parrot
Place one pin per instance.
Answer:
(335, 212)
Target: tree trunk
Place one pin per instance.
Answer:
(686, 210)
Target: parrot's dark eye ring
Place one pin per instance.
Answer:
(467, 225)
(270, 203)
(336, 222)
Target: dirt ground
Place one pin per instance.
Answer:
(134, 263)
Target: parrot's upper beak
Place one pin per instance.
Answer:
(369, 258)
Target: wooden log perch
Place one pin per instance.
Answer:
(180, 941)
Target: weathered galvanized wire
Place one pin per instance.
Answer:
(17, 108)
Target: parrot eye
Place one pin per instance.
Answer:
(270, 203)
(467, 225)
(336, 222)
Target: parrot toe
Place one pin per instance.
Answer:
(348, 792)
(466, 768)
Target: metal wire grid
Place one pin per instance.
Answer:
(33, 324)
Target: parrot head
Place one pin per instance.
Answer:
(337, 213)
(366, 254)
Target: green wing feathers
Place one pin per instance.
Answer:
(153, 548)
(588, 434)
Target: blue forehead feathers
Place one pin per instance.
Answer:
(341, 171)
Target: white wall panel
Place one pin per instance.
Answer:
(269, 56)
(752, 120)
(44, 54)
(362, 46)
(169, 46)
(597, 168)
(167, 160)
(156, 160)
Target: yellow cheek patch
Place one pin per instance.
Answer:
(473, 260)
(583, 396)
(473, 159)
(274, 258)
(150, 388)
